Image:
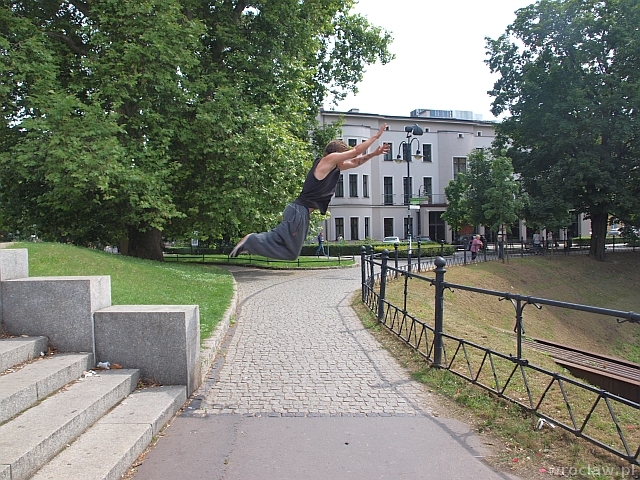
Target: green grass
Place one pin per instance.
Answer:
(140, 282)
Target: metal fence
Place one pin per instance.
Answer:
(609, 421)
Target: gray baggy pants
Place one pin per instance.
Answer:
(285, 241)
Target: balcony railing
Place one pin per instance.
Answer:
(430, 199)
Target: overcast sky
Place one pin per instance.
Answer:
(440, 53)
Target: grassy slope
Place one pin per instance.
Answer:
(576, 279)
(140, 282)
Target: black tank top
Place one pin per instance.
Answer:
(317, 193)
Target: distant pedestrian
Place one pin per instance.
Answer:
(537, 240)
(476, 244)
(340, 239)
(320, 248)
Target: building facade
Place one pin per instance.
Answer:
(387, 198)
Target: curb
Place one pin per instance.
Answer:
(211, 346)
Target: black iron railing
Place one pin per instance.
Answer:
(607, 420)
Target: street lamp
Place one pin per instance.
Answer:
(412, 131)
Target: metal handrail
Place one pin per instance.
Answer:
(504, 375)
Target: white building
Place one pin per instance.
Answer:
(372, 200)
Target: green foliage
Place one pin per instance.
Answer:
(167, 115)
(487, 194)
(569, 79)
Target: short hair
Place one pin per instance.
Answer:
(335, 146)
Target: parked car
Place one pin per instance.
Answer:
(614, 232)
(423, 239)
(391, 240)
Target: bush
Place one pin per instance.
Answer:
(354, 249)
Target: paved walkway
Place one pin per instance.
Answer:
(302, 391)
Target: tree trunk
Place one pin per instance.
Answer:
(145, 244)
(599, 223)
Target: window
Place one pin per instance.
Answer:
(354, 228)
(427, 188)
(353, 184)
(479, 133)
(436, 226)
(367, 227)
(352, 142)
(388, 191)
(406, 152)
(388, 157)
(340, 187)
(339, 227)
(407, 189)
(365, 186)
(459, 166)
(426, 152)
(388, 227)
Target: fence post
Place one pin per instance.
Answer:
(363, 267)
(521, 247)
(519, 330)
(441, 248)
(418, 256)
(383, 284)
(371, 265)
(438, 345)
(395, 246)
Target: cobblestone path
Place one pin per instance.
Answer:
(299, 350)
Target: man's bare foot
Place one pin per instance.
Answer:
(238, 248)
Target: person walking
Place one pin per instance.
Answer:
(476, 245)
(320, 248)
(285, 241)
(537, 240)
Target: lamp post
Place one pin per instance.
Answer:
(412, 131)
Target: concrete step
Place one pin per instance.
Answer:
(14, 351)
(107, 450)
(31, 439)
(36, 380)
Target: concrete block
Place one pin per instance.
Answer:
(5, 472)
(14, 351)
(14, 263)
(59, 307)
(163, 341)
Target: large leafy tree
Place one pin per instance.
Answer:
(138, 119)
(487, 194)
(570, 82)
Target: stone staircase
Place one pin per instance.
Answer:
(60, 418)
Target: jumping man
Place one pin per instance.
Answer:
(285, 241)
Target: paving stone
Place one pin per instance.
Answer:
(295, 353)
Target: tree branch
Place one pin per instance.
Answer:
(68, 41)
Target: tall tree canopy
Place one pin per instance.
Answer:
(137, 119)
(570, 82)
(487, 194)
